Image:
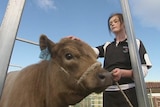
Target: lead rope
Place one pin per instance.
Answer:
(130, 104)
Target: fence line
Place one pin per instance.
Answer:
(26, 41)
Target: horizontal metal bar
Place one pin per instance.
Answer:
(13, 65)
(27, 41)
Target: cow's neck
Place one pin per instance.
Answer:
(57, 87)
(54, 87)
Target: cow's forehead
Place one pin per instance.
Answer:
(78, 45)
(75, 43)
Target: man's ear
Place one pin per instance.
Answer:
(45, 43)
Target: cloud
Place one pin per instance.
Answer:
(46, 4)
(147, 11)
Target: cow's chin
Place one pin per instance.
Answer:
(96, 88)
(77, 97)
(99, 90)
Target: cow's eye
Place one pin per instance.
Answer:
(69, 56)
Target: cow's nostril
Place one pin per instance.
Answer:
(101, 76)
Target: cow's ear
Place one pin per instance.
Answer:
(44, 43)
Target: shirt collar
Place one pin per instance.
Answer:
(125, 40)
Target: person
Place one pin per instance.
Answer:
(117, 61)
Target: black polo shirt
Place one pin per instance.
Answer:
(117, 56)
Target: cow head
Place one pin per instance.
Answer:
(74, 70)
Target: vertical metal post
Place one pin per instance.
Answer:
(150, 94)
(143, 100)
(8, 32)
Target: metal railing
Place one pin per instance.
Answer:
(11, 23)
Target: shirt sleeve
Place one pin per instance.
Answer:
(102, 49)
(144, 56)
(145, 70)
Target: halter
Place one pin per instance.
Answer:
(93, 67)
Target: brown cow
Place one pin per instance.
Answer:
(71, 74)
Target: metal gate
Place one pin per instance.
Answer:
(8, 32)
